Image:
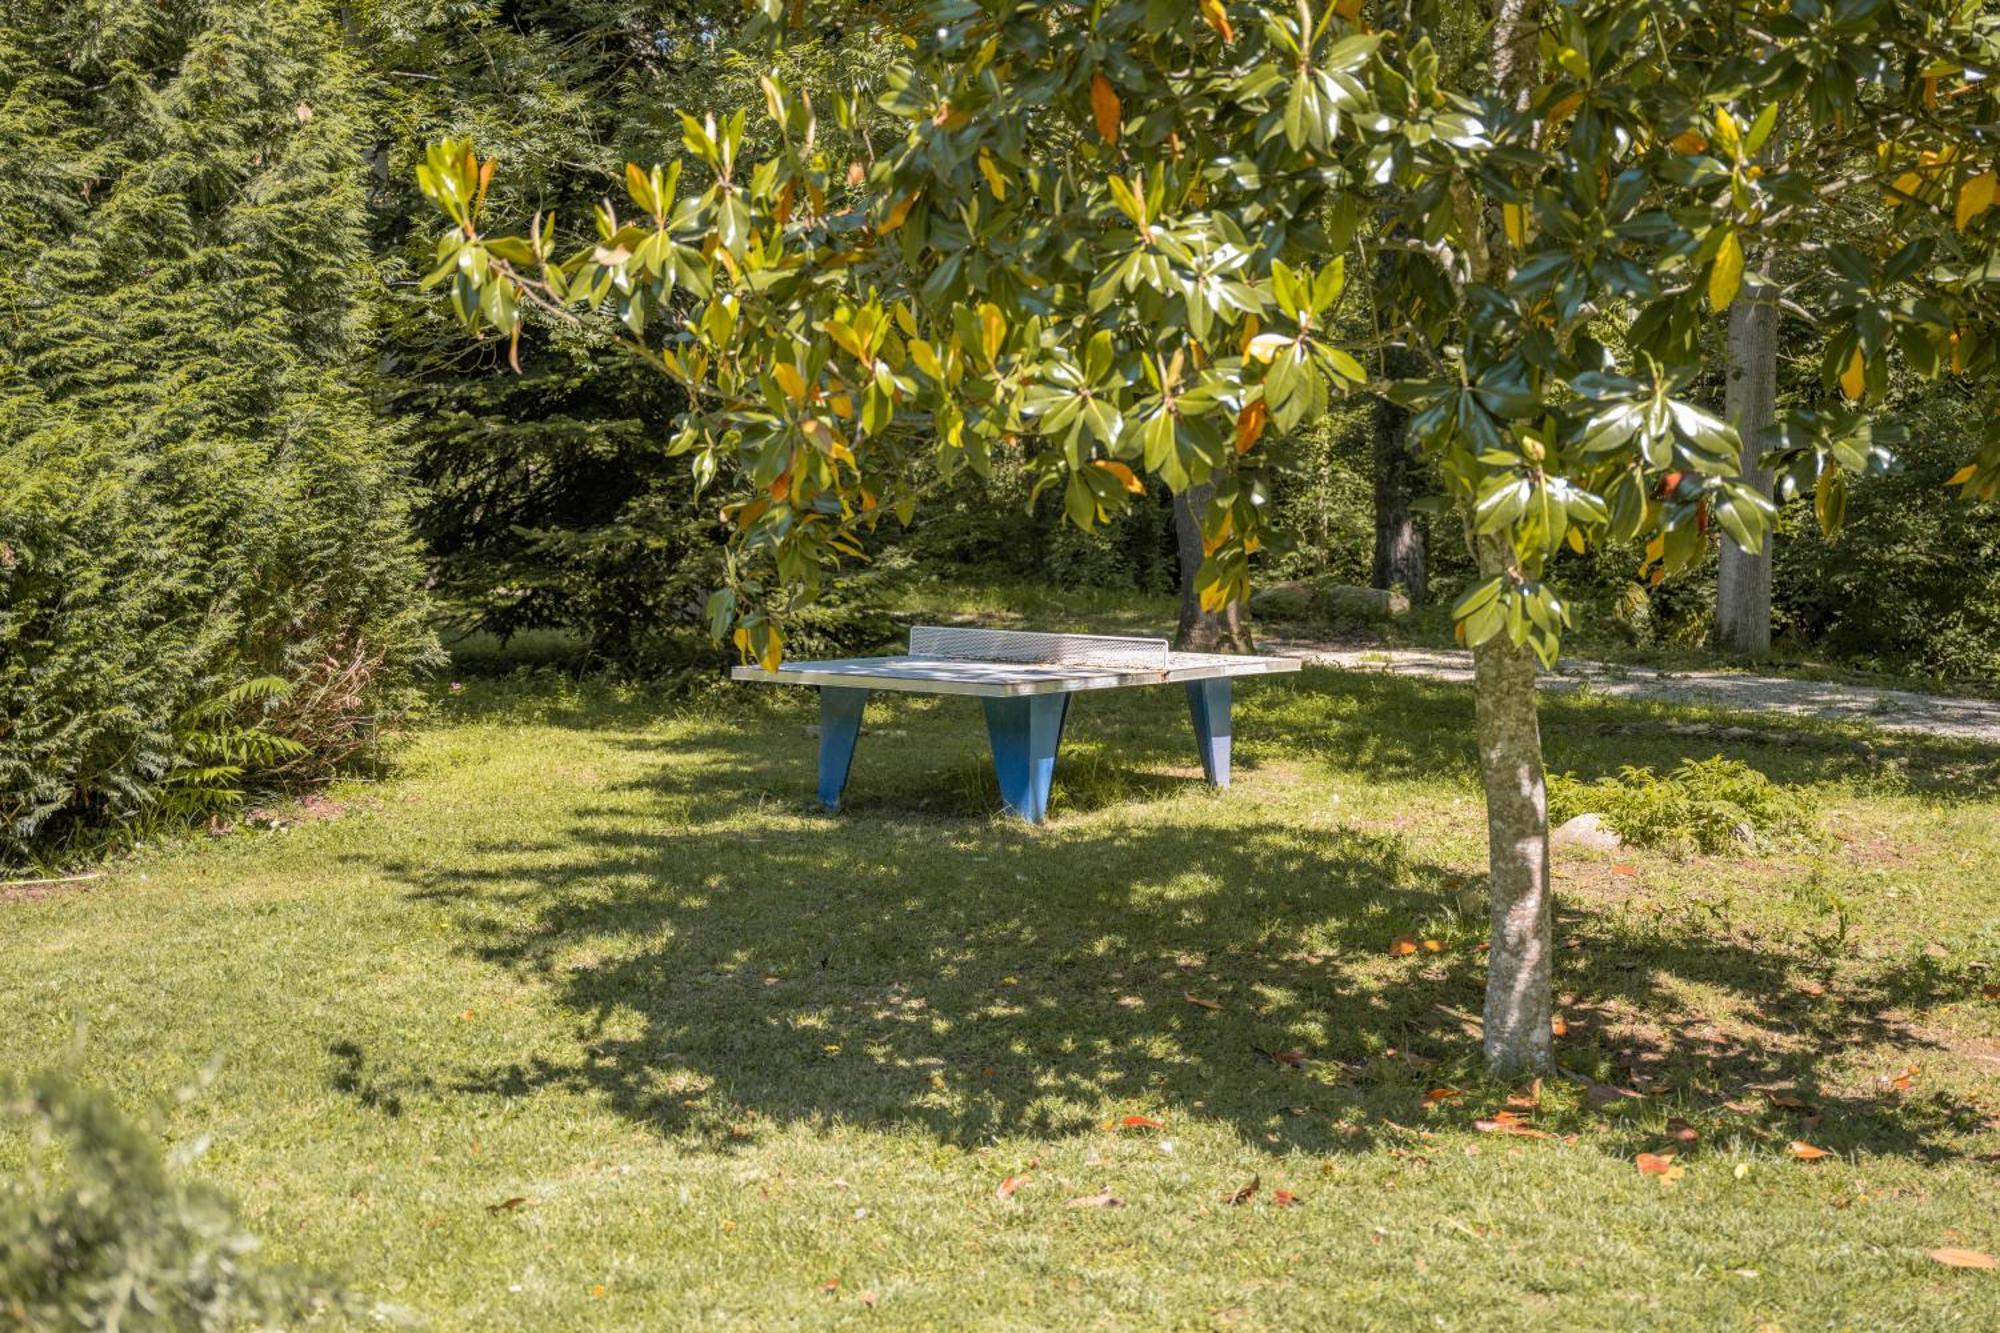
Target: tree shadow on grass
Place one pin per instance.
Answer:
(736, 960)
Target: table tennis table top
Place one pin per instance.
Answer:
(997, 663)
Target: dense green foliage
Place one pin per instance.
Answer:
(1702, 805)
(97, 1233)
(194, 492)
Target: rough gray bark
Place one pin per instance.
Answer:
(1200, 631)
(1517, 1033)
(1399, 542)
(1519, 1016)
(1743, 583)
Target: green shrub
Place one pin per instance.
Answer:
(97, 1233)
(1704, 805)
(195, 491)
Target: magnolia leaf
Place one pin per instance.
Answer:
(1975, 197)
(1105, 106)
(1853, 378)
(1725, 279)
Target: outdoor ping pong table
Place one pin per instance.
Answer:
(1026, 680)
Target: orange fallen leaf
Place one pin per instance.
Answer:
(830, 1286)
(1243, 1195)
(1009, 1185)
(1528, 1099)
(1951, 1258)
(1506, 1122)
(1142, 1122)
(1402, 947)
(868, 1298)
(1804, 1151)
(1559, 1026)
(1786, 1101)
(1659, 1164)
(1625, 870)
(1284, 1199)
(1433, 946)
(1680, 1131)
(1990, 992)
(1104, 1200)
(597, 1290)
(1436, 1095)
(1197, 1001)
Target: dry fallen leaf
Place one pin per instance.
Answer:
(1528, 1099)
(830, 1286)
(1433, 946)
(1436, 1095)
(1559, 1026)
(1804, 1151)
(1194, 999)
(868, 1298)
(1246, 1193)
(1659, 1164)
(1296, 1059)
(1625, 870)
(1402, 947)
(519, 1201)
(1009, 1185)
(1786, 1101)
(1506, 1122)
(1603, 1094)
(1951, 1258)
(1990, 992)
(1680, 1131)
(1105, 1200)
(1283, 1199)
(1142, 1122)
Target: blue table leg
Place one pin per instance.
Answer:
(1208, 704)
(839, 727)
(1025, 731)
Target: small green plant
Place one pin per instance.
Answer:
(97, 1233)
(1704, 805)
(216, 746)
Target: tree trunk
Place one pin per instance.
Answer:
(1399, 542)
(1743, 583)
(1519, 1014)
(1517, 1033)
(1200, 631)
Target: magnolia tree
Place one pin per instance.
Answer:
(1113, 238)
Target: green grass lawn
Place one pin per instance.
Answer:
(750, 1064)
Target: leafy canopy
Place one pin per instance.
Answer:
(1114, 236)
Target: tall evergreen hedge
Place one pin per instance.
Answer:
(197, 495)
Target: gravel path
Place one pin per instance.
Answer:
(1953, 718)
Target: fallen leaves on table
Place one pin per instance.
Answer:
(1952, 1258)
(1009, 1185)
(1803, 1151)
(1106, 1199)
(1244, 1194)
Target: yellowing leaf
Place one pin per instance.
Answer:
(1975, 197)
(992, 328)
(1514, 218)
(994, 180)
(1688, 141)
(1564, 108)
(1104, 105)
(1250, 425)
(1125, 476)
(1217, 18)
(898, 214)
(790, 381)
(1725, 279)
(1959, 478)
(1854, 379)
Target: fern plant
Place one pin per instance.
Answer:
(218, 741)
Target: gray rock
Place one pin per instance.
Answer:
(1588, 833)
